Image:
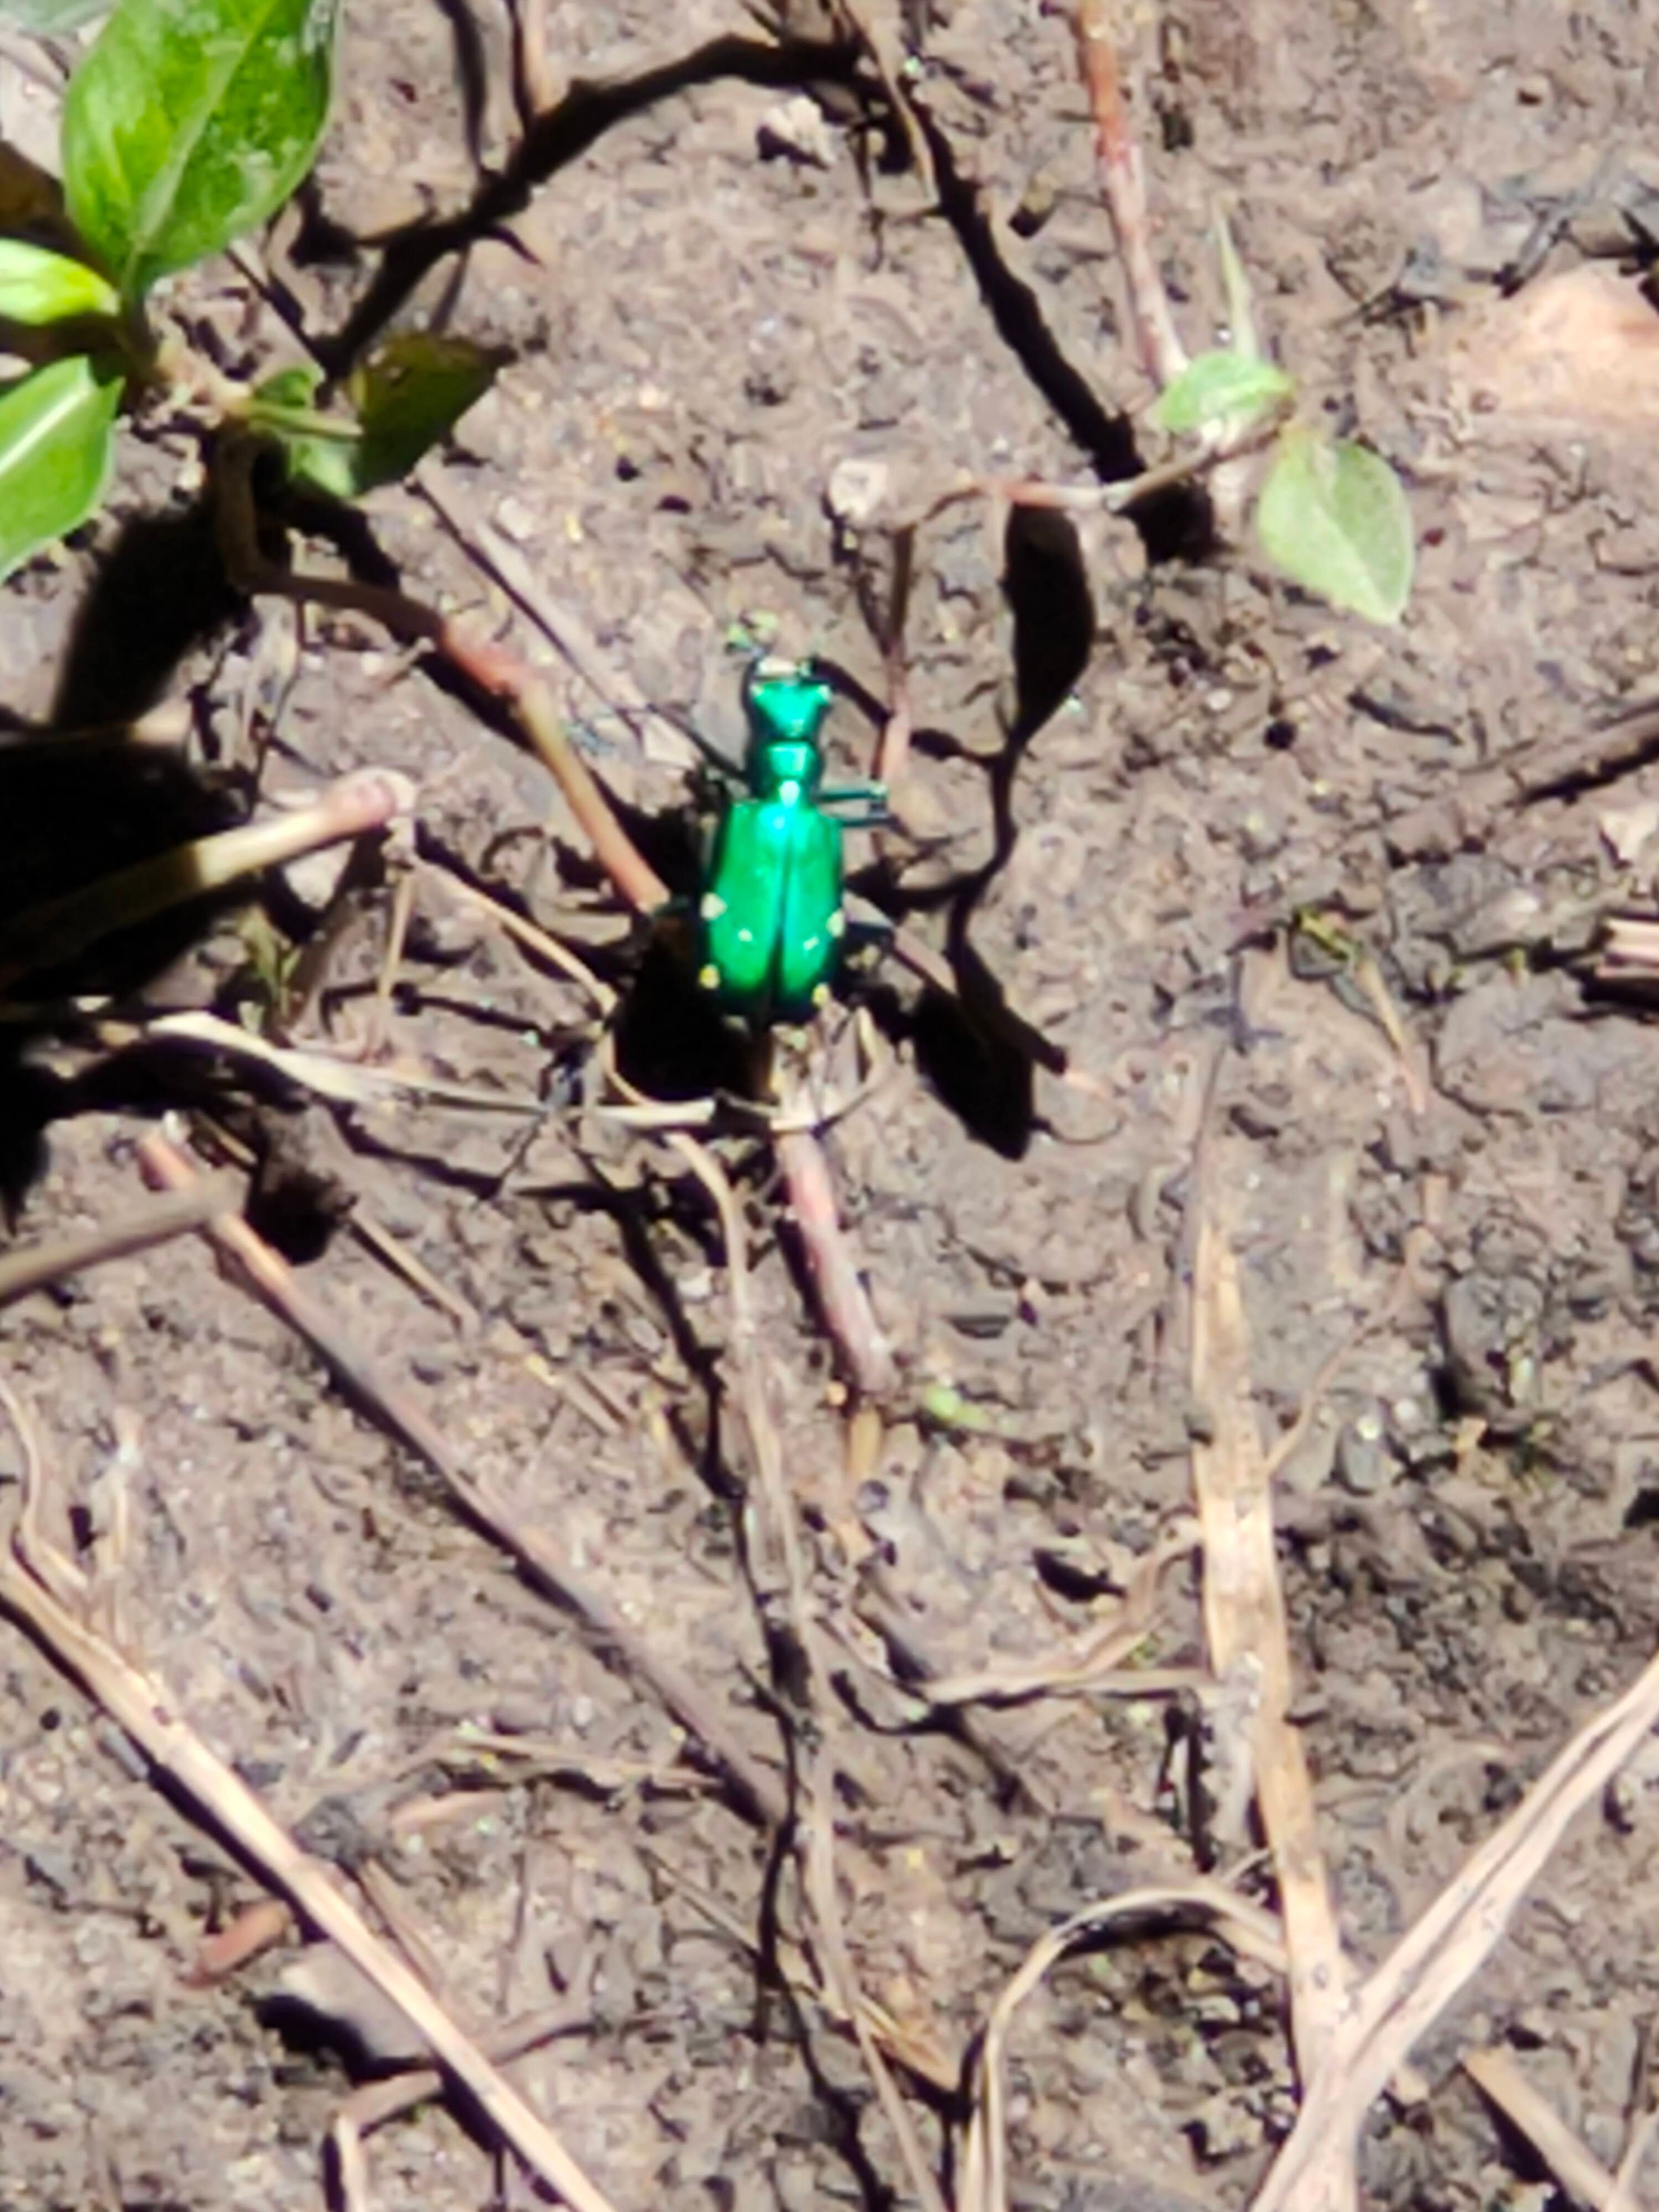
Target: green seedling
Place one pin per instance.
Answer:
(944, 1407)
(1331, 515)
(185, 127)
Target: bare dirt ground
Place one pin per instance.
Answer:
(1305, 914)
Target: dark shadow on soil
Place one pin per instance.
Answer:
(671, 1042)
(976, 1053)
(1174, 525)
(94, 799)
(471, 72)
(162, 591)
(85, 800)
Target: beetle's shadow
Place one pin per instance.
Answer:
(977, 1055)
(673, 1042)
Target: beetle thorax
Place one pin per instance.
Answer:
(786, 770)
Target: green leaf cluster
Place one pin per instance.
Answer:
(187, 124)
(409, 392)
(1332, 515)
(1222, 395)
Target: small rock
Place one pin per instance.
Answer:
(517, 521)
(1490, 1320)
(1361, 1456)
(1309, 1467)
(1222, 2128)
(1262, 833)
(1621, 1803)
(858, 490)
(796, 130)
(987, 1316)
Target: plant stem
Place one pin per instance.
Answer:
(1124, 184)
(495, 670)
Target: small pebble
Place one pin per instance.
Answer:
(796, 130)
(515, 521)
(1222, 2128)
(1362, 1458)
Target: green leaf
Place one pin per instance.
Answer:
(38, 287)
(406, 396)
(291, 387)
(189, 123)
(947, 1408)
(411, 393)
(1225, 391)
(56, 444)
(1334, 518)
(46, 17)
(1241, 314)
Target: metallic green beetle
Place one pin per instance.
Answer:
(771, 914)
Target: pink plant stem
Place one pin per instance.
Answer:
(840, 1294)
(1122, 182)
(357, 805)
(893, 753)
(505, 675)
(491, 666)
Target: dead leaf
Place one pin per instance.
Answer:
(1577, 353)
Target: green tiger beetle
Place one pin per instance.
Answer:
(770, 920)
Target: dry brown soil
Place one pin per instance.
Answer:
(709, 308)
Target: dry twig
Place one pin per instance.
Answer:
(1250, 1930)
(497, 672)
(815, 1821)
(1497, 2077)
(537, 1555)
(842, 1298)
(40, 1588)
(376, 2102)
(881, 1607)
(879, 42)
(1245, 1629)
(524, 934)
(325, 1074)
(1403, 1997)
(662, 740)
(1624, 2198)
(38, 1265)
(55, 932)
(1630, 950)
(1092, 1665)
